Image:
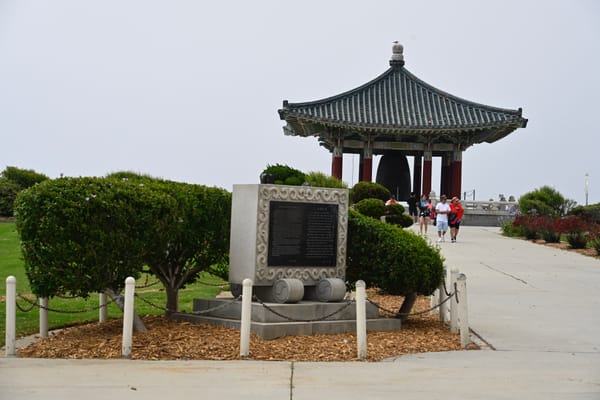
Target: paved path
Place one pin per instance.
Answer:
(537, 306)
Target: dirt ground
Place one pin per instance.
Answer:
(172, 340)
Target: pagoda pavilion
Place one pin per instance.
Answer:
(398, 115)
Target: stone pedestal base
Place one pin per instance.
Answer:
(273, 320)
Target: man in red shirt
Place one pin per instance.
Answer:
(454, 218)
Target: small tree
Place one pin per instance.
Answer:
(196, 239)
(545, 201)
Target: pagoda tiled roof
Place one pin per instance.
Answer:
(397, 103)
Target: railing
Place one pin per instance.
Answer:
(506, 206)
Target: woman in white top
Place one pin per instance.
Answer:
(442, 209)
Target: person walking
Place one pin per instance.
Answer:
(456, 213)
(413, 206)
(431, 212)
(442, 209)
(424, 212)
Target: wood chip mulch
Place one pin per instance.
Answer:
(174, 340)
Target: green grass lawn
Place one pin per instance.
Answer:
(11, 263)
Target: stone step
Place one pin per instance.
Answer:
(273, 330)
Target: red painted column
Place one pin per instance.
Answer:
(427, 172)
(417, 166)
(456, 173)
(366, 169)
(336, 165)
(446, 176)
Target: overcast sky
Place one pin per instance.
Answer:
(189, 90)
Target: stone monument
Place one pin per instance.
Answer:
(290, 240)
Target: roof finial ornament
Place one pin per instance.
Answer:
(397, 56)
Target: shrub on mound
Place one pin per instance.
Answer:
(284, 175)
(369, 190)
(373, 208)
(395, 260)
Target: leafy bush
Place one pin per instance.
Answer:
(596, 245)
(25, 178)
(392, 259)
(577, 240)
(130, 176)
(394, 209)
(319, 179)
(510, 229)
(369, 190)
(545, 201)
(403, 220)
(85, 235)
(528, 225)
(373, 208)
(8, 194)
(293, 181)
(284, 175)
(551, 236)
(193, 235)
(12, 181)
(220, 270)
(589, 213)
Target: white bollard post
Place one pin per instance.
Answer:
(128, 317)
(11, 316)
(44, 317)
(463, 316)
(432, 301)
(453, 303)
(442, 298)
(361, 320)
(245, 319)
(103, 307)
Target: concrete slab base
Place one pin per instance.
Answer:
(273, 320)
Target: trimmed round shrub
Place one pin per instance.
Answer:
(392, 259)
(373, 208)
(394, 209)
(403, 220)
(86, 235)
(369, 190)
(284, 175)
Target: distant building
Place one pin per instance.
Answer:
(398, 115)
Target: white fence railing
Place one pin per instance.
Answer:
(458, 313)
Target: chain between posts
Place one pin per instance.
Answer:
(450, 295)
(36, 304)
(323, 318)
(216, 308)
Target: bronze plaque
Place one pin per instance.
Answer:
(302, 234)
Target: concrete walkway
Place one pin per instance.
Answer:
(538, 308)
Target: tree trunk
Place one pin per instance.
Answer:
(172, 300)
(119, 300)
(407, 305)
